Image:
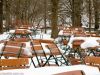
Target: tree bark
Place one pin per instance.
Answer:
(90, 14)
(54, 18)
(7, 16)
(96, 13)
(76, 10)
(1, 16)
(45, 15)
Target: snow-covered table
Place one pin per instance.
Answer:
(88, 41)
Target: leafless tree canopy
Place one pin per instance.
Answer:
(40, 12)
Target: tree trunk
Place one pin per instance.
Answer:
(54, 18)
(96, 13)
(45, 15)
(1, 16)
(7, 16)
(76, 10)
(96, 20)
(90, 14)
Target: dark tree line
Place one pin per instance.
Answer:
(54, 12)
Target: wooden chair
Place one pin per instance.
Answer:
(64, 45)
(12, 49)
(20, 63)
(79, 34)
(65, 42)
(36, 41)
(24, 39)
(92, 50)
(46, 41)
(67, 32)
(92, 61)
(74, 61)
(23, 27)
(15, 49)
(94, 34)
(77, 43)
(22, 33)
(76, 49)
(38, 51)
(27, 26)
(76, 72)
(56, 54)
